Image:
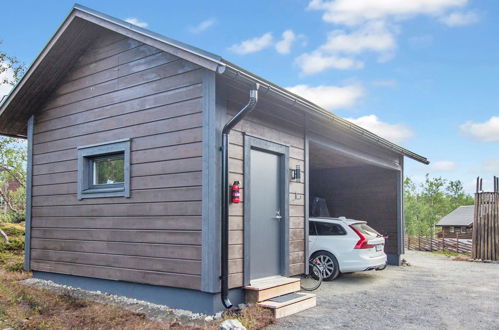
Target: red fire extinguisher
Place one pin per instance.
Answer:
(236, 194)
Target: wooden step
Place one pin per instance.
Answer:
(289, 304)
(268, 288)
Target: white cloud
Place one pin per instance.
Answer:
(397, 133)
(317, 61)
(443, 166)
(330, 97)
(460, 18)
(487, 131)
(371, 26)
(136, 21)
(373, 37)
(491, 165)
(355, 12)
(284, 45)
(253, 45)
(203, 26)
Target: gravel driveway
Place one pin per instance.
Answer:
(434, 292)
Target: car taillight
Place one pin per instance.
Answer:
(362, 243)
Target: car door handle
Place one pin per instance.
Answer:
(278, 215)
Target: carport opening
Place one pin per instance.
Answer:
(356, 188)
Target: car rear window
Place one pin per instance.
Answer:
(364, 229)
(326, 229)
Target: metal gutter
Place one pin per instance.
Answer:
(233, 71)
(225, 194)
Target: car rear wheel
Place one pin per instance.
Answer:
(328, 264)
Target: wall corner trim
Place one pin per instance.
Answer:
(29, 192)
(210, 264)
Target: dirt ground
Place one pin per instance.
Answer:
(434, 292)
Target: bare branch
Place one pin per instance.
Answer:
(9, 203)
(4, 235)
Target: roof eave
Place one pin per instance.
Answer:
(237, 72)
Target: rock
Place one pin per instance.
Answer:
(218, 315)
(232, 325)
(208, 318)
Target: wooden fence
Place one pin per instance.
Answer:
(486, 223)
(456, 245)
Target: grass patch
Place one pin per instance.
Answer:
(25, 307)
(12, 253)
(251, 316)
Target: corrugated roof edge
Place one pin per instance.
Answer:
(232, 68)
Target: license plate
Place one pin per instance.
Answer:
(379, 247)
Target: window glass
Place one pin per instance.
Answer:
(463, 230)
(311, 228)
(364, 229)
(329, 229)
(451, 229)
(109, 169)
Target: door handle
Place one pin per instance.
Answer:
(278, 215)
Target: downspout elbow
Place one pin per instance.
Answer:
(253, 100)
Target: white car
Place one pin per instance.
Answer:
(344, 245)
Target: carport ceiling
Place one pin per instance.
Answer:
(323, 157)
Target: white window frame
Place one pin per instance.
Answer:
(452, 229)
(86, 154)
(464, 230)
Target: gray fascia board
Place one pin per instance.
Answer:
(175, 43)
(34, 65)
(116, 24)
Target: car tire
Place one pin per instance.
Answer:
(332, 269)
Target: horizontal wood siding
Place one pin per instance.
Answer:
(260, 125)
(121, 88)
(366, 193)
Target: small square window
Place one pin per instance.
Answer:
(104, 170)
(451, 229)
(463, 230)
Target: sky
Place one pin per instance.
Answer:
(421, 73)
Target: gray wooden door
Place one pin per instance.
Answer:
(265, 221)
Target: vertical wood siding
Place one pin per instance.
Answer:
(121, 88)
(268, 128)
